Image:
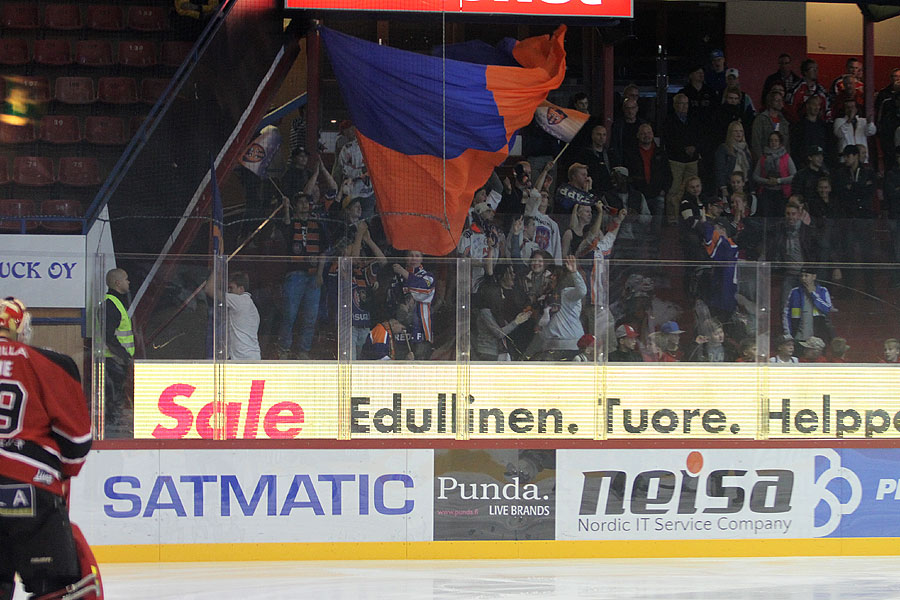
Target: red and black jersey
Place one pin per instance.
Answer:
(45, 427)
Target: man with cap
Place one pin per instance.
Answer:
(806, 312)
(807, 179)
(715, 73)
(626, 348)
(784, 350)
(733, 82)
(855, 185)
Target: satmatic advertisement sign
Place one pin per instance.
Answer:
(254, 496)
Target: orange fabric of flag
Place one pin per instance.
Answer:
(433, 129)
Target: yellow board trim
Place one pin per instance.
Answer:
(498, 550)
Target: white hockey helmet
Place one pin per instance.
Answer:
(15, 318)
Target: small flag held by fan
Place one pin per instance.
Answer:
(561, 123)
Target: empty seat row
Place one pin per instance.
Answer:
(92, 53)
(48, 208)
(81, 90)
(66, 129)
(38, 171)
(99, 17)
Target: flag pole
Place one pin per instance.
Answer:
(566, 147)
(230, 256)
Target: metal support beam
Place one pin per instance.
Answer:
(313, 45)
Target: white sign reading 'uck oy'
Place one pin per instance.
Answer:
(46, 271)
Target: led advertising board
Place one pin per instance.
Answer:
(397, 400)
(546, 8)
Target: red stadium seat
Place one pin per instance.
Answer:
(17, 208)
(118, 90)
(152, 89)
(79, 171)
(39, 87)
(148, 18)
(61, 208)
(174, 53)
(60, 129)
(52, 52)
(63, 17)
(33, 171)
(105, 131)
(16, 134)
(75, 90)
(20, 16)
(93, 53)
(137, 54)
(14, 52)
(105, 17)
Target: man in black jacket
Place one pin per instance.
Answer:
(649, 169)
(855, 185)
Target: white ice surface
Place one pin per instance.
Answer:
(670, 579)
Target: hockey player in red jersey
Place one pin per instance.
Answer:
(45, 435)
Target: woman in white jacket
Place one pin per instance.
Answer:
(851, 129)
(560, 325)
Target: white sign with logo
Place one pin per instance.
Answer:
(254, 496)
(701, 494)
(45, 271)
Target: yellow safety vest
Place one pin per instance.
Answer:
(123, 332)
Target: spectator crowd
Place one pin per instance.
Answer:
(803, 181)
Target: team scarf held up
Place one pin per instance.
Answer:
(432, 128)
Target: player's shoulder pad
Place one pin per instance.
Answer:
(63, 361)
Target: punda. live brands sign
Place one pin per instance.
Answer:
(515, 400)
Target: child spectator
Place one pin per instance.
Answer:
(891, 351)
(626, 345)
(586, 346)
(381, 343)
(839, 348)
(670, 341)
(812, 350)
(710, 344)
(748, 351)
(784, 351)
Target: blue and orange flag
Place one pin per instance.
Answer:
(432, 129)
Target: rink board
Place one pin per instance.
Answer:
(224, 504)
